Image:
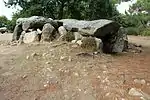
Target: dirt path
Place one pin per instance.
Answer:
(7, 37)
(55, 72)
(140, 40)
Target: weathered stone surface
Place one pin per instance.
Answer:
(113, 40)
(31, 37)
(62, 32)
(79, 42)
(121, 42)
(139, 93)
(99, 44)
(35, 22)
(21, 37)
(134, 92)
(138, 81)
(97, 28)
(39, 31)
(3, 30)
(48, 33)
(77, 36)
(17, 32)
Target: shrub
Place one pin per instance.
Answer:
(145, 32)
(11, 25)
(133, 31)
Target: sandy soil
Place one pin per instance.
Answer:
(56, 71)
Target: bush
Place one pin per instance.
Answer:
(11, 25)
(145, 32)
(3, 21)
(133, 31)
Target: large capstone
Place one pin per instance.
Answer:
(96, 28)
(35, 22)
(106, 30)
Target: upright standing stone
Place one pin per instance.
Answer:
(62, 32)
(31, 37)
(17, 32)
(48, 33)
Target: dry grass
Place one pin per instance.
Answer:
(89, 43)
(69, 37)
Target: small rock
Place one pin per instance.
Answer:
(148, 84)
(44, 54)
(95, 53)
(24, 76)
(142, 98)
(62, 58)
(27, 57)
(139, 93)
(66, 97)
(104, 72)
(76, 74)
(61, 70)
(79, 42)
(34, 54)
(49, 69)
(104, 66)
(123, 99)
(107, 94)
(73, 41)
(140, 81)
(99, 77)
(46, 85)
(14, 44)
(74, 46)
(105, 80)
(66, 71)
(134, 92)
(39, 31)
(85, 92)
(69, 59)
(48, 62)
(80, 90)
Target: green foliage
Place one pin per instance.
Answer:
(85, 10)
(3, 21)
(143, 4)
(12, 23)
(133, 31)
(58, 9)
(145, 32)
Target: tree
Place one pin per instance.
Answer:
(3, 21)
(58, 9)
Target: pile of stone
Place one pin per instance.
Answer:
(106, 34)
(3, 30)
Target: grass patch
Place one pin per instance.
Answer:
(68, 37)
(89, 43)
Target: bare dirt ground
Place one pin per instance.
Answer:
(57, 71)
